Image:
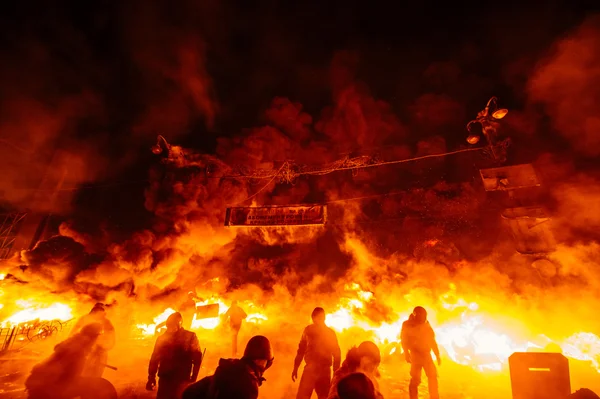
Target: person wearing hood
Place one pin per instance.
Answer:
(236, 378)
(60, 376)
(320, 350)
(176, 358)
(99, 355)
(363, 359)
(418, 341)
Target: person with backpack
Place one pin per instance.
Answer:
(236, 378)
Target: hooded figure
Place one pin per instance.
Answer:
(236, 378)
(363, 359)
(99, 355)
(418, 341)
(59, 376)
(176, 358)
(320, 350)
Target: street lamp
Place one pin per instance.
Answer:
(158, 148)
(488, 120)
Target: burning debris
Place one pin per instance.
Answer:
(355, 210)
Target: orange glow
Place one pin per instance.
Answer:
(30, 313)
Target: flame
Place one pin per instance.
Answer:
(467, 334)
(31, 313)
(472, 339)
(210, 323)
(149, 329)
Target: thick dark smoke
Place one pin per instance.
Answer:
(434, 211)
(567, 83)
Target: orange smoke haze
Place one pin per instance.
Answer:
(397, 237)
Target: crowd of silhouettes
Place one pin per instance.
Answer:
(75, 367)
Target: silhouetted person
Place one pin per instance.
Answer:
(363, 359)
(236, 316)
(583, 393)
(176, 358)
(356, 386)
(99, 355)
(418, 341)
(320, 350)
(59, 376)
(236, 378)
(188, 308)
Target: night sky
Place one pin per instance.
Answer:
(104, 78)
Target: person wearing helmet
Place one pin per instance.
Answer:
(176, 358)
(60, 376)
(320, 350)
(363, 359)
(236, 315)
(99, 356)
(236, 378)
(418, 341)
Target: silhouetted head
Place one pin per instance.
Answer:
(259, 351)
(553, 348)
(584, 393)
(370, 357)
(98, 309)
(318, 316)
(365, 358)
(419, 315)
(356, 386)
(174, 322)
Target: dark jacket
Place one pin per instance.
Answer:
(318, 347)
(233, 379)
(418, 338)
(176, 356)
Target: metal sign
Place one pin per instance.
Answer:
(539, 375)
(509, 177)
(295, 215)
(207, 311)
(530, 227)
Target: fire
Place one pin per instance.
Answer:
(56, 311)
(466, 333)
(210, 323)
(471, 339)
(583, 346)
(149, 329)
